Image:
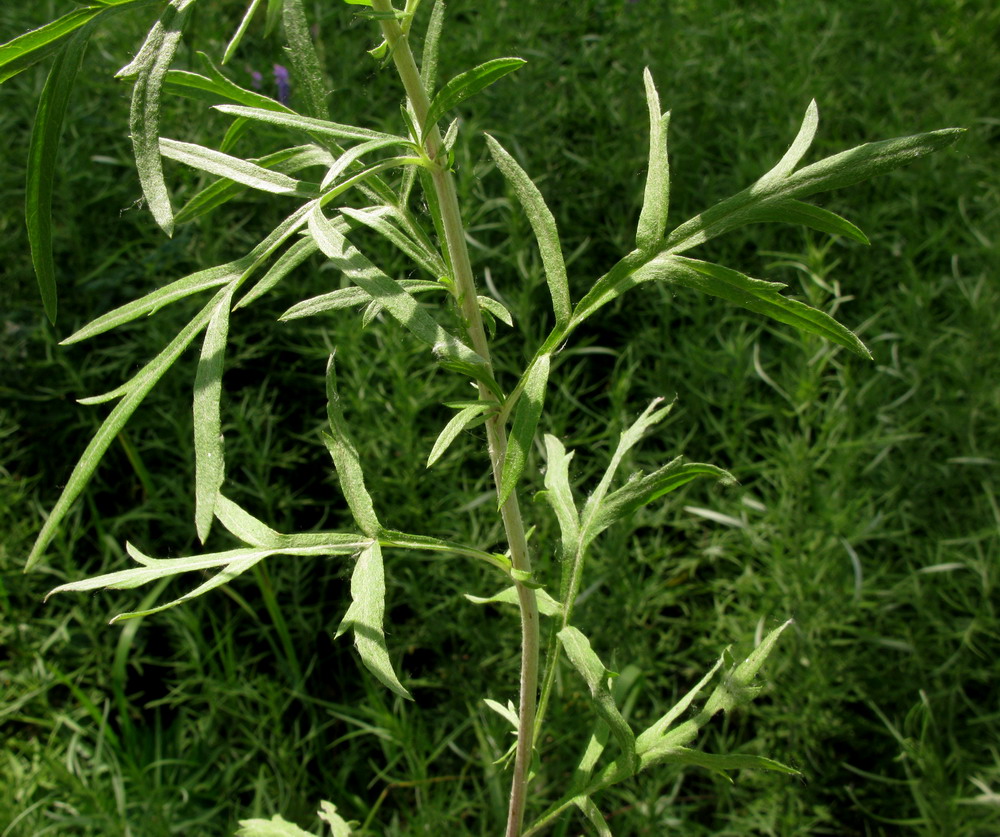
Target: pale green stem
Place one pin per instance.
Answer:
(510, 511)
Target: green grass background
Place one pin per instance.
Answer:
(868, 508)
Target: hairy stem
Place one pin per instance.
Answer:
(444, 186)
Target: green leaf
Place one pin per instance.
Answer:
(353, 155)
(350, 297)
(365, 615)
(720, 763)
(377, 219)
(305, 61)
(592, 813)
(241, 269)
(755, 295)
(27, 49)
(345, 459)
(656, 198)
(590, 667)
(547, 606)
(140, 386)
(797, 150)
(234, 562)
(402, 540)
(319, 127)
(390, 294)
(286, 161)
(432, 41)
(216, 88)
(651, 736)
(339, 827)
(209, 454)
(468, 84)
(652, 415)
(42, 165)
(797, 212)
(149, 68)
(522, 432)
(234, 42)
(243, 525)
(496, 309)
(286, 263)
(737, 687)
(644, 489)
(234, 168)
(542, 224)
(277, 826)
(560, 496)
(459, 422)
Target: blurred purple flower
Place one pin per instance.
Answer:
(284, 85)
(256, 80)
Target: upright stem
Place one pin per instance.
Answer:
(510, 512)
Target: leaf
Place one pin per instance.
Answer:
(243, 525)
(590, 667)
(286, 263)
(542, 224)
(209, 454)
(234, 42)
(522, 432)
(496, 308)
(797, 212)
(547, 606)
(432, 42)
(234, 168)
(402, 540)
(305, 61)
(644, 489)
(345, 459)
(216, 88)
(149, 68)
(42, 156)
(219, 192)
(376, 218)
(656, 198)
(757, 296)
(721, 763)
(339, 827)
(737, 688)
(365, 615)
(468, 84)
(351, 156)
(141, 384)
(459, 422)
(27, 49)
(652, 415)
(560, 496)
(648, 739)
(232, 562)
(319, 127)
(240, 269)
(797, 150)
(592, 813)
(390, 295)
(277, 826)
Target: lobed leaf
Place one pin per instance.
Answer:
(345, 459)
(365, 616)
(542, 224)
(522, 432)
(656, 198)
(594, 673)
(42, 149)
(209, 453)
(149, 68)
(468, 84)
(139, 388)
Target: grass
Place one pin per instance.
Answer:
(868, 508)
